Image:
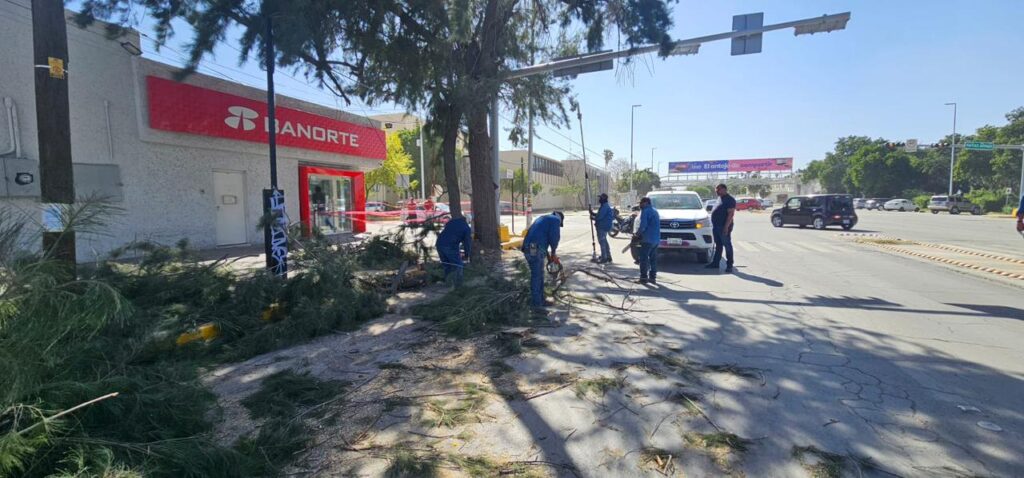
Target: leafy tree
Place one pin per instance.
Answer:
(517, 187)
(431, 153)
(398, 162)
(644, 181)
(832, 172)
(448, 57)
(608, 157)
(877, 171)
(618, 168)
(703, 191)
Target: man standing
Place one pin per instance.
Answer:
(1020, 214)
(454, 238)
(648, 234)
(603, 223)
(544, 233)
(721, 228)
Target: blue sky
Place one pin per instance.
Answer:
(888, 74)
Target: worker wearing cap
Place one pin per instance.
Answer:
(603, 224)
(544, 233)
(453, 239)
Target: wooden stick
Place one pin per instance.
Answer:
(65, 412)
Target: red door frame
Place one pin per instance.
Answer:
(358, 196)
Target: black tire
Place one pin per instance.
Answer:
(614, 232)
(819, 223)
(777, 221)
(847, 227)
(935, 211)
(703, 257)
(954, 210)
(976, 211)
(901, 208)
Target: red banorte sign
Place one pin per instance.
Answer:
(184, 108)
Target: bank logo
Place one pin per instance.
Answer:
(241, 117)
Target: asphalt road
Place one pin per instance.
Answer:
(860, 352)
(988, 233)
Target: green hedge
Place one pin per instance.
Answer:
(989, 200)
(922, 201)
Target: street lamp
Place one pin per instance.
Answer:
(952, 152)
(632, 165)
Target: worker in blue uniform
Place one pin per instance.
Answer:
(603, 224)
(648, 235)
(455, 238)
(544, 233)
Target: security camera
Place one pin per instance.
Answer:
(24, 179)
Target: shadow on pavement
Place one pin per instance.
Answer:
(1000, 311)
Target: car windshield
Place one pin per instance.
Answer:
(675, 201)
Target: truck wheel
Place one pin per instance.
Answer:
(819, 223)
(976, 211)
(703, 257)
(954, 210)
(935, 211)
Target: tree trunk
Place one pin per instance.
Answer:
(485, 221)
(451, 167)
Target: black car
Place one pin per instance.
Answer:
(819, 211)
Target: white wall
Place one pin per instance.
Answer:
(167, 177)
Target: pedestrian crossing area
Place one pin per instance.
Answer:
(799, 246)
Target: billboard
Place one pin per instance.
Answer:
(184, 108)
(731, 166)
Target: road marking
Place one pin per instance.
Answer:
(768, 247)
(814, 247)
(745, 246)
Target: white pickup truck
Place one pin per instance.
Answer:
(685, 224)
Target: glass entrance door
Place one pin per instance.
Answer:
(330, 202)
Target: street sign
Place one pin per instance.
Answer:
(911, 146)
(979, 145)
(509, 174)
(747, 44)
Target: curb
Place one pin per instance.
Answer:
(1010, 275)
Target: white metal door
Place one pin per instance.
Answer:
(229, 195)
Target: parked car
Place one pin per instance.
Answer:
(900, 205)
(819, 211)
(954, 204)
(859, 203)
(747, 203)
(685, 224)
(710, 204)
(767, 203)
(506, 207)
(876, 203)
(375, 206)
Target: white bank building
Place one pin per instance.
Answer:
(182, 160)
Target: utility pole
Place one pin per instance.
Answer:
(56, 175)
(275, 232)
(952, 151)
(632, 165)
(652, 160)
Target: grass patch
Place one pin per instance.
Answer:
(282, 394)
(598, 386)
(406, 464)
(825, 464)
(463, 410)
